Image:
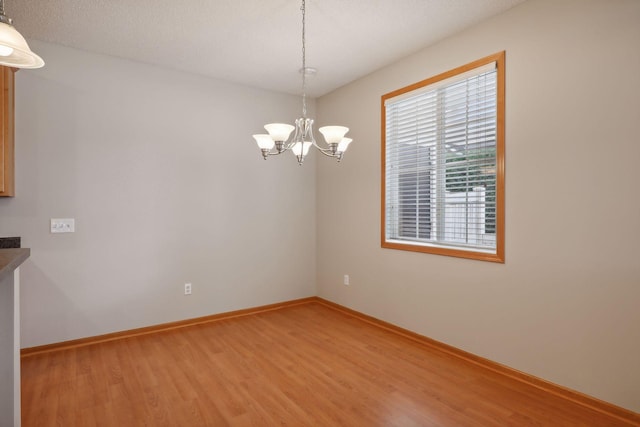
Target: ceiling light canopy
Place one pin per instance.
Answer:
(14, 50)
(277, 140)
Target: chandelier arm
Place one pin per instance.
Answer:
(315, 144)
(268, 153)
(289, 145)
(276, 152)
(327, 151)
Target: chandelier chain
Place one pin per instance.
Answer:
(304, 62)
(6, 20)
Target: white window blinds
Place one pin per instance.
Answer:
(440, 163)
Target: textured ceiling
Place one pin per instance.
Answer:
(253, 42)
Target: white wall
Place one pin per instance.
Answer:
(564, 306)
(167, 186)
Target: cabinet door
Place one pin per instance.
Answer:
(6, 133)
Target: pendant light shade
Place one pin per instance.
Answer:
(14, 50)
(279, 131)
(264, 141)
(333, 134)
(342, 146)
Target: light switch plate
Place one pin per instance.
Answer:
(63, 225)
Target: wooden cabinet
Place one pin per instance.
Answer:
(7, 188)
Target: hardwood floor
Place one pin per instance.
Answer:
(305, 365)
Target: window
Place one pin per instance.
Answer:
(443, 163)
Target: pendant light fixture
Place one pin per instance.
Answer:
(14, 50)
(302, 139)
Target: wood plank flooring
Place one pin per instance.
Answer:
(305, 365)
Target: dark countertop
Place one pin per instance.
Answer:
(10, 259)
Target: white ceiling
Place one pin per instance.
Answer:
(253, 42)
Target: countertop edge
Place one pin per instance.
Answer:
(10, 259)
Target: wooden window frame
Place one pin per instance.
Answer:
(499, 255)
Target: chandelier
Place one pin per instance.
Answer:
(302, 140)
(14, 50)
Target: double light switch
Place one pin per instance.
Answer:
(63, 225)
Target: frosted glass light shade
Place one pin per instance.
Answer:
(343, 145)
(279, 131)
(333, 134)
(299, 147)
(14, 50)
(264, 141)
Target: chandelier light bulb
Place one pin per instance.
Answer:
(5, 50)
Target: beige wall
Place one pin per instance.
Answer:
(564, 306)
(167, 186)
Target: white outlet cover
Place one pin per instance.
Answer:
(63, 225)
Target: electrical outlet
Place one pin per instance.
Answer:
(346, 280)
(187, 288)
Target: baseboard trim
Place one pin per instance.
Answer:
(64, 345)
(614, 411)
